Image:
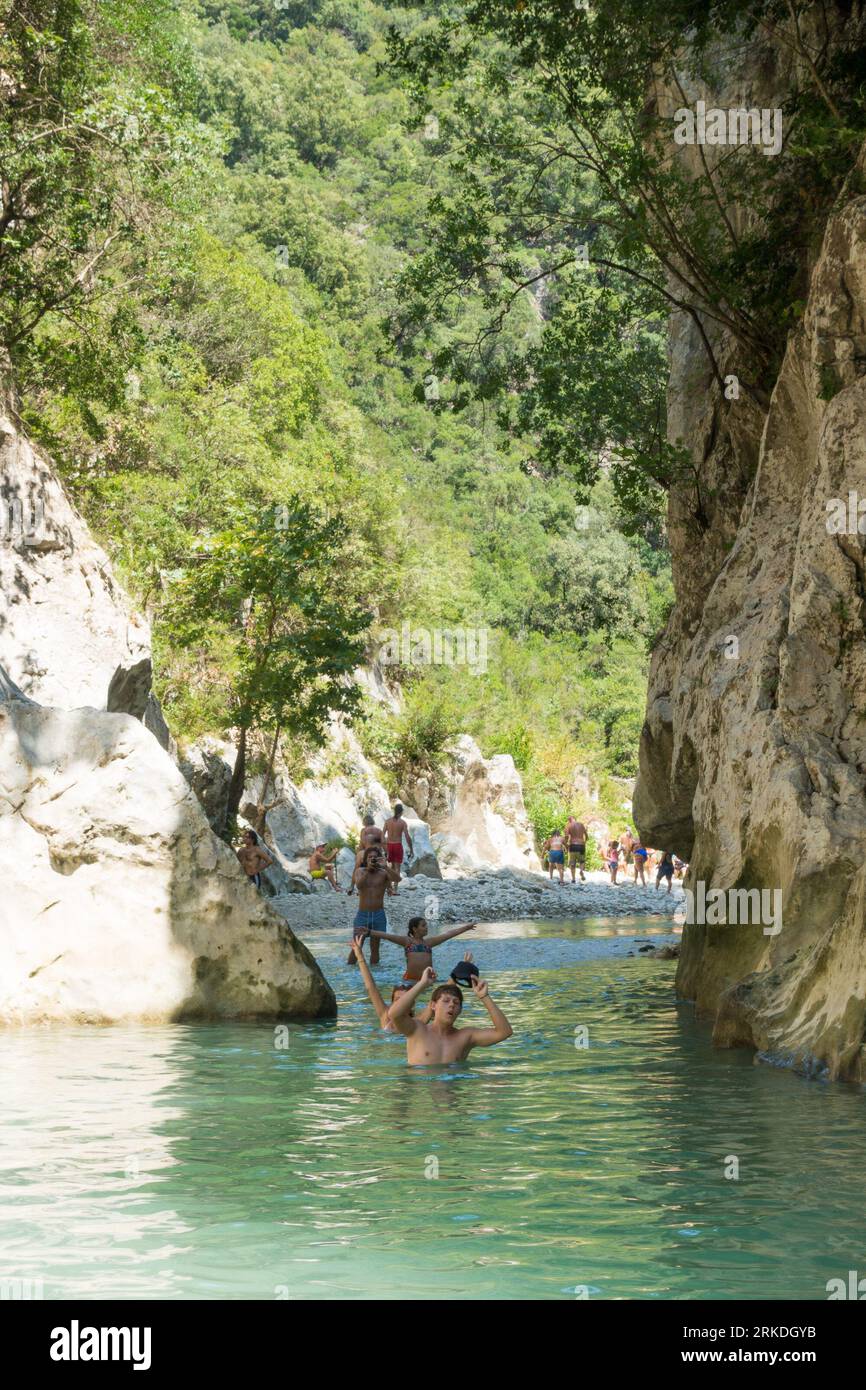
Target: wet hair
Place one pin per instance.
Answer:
(371, 849)
(416, 922)
(402, 989)
(447, 989)
(398, 809)
(254, 835)
(368, 820)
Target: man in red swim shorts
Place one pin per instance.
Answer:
(395, 829)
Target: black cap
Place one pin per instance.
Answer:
(465, 972)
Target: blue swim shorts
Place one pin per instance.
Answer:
(374, 920)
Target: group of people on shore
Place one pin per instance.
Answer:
(622, 854)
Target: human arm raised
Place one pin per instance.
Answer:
(486, 1037)
(401, 1007)
(369, 983)
(432, 941)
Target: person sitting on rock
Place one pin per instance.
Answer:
(418, 945)
(253, 857)
(370, 835)
(371, 879)
(439, 1042)
(322, 866)
(383, 1011)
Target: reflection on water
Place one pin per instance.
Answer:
(205, 1162)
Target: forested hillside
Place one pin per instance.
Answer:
(241, 401)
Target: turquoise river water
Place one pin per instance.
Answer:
(212, 1161)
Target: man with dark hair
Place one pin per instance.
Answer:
(370, 835)
(253, 858)
(371, 879)
(396, 830)
(438, 1042)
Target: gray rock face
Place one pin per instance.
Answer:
(478, 815)
(208, 772)
(66, 626)
(753, 754)
(130, 907)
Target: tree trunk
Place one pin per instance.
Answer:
(236, 786)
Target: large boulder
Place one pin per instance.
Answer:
(479, 806)
(329, 805)
(68, 633)
(120, 903)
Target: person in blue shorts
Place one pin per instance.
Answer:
(555, 846)
(372, 879)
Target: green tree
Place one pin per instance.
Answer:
(95, 140)
(272, 595)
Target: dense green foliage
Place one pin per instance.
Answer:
(225, 221)
(564, 178)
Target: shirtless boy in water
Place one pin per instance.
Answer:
(371, 880)
(437, 1043)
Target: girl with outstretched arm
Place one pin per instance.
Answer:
(418, 945)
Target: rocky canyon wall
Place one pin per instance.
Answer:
(119, 901)
(753, 753)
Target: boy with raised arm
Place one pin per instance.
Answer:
(438, 1042)
(383, 1012)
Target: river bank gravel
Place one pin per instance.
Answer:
(493, 896)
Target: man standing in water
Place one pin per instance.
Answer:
(253, 858)
(395, 831)
(370, 835)
(373, 877)
(438, 1042)
(575, 834)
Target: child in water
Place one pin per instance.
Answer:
(418, 945)
(383, 1010)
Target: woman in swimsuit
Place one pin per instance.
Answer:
(640, 857)
(555, 847)
(613, 859)
(419, 946)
